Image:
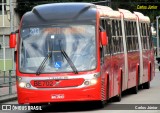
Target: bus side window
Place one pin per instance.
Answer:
(142, 34)
(147, 36)
(116, 37)
(132, 36)
(102, 24)
(127, 32)
(108, 30)
(113, 37)
(136, 36)
(120, 37)
(150, 36)
(107, 26)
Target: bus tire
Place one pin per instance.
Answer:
(102, 103)
(135, 89)
(146, 85)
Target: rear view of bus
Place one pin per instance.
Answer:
(57, 58)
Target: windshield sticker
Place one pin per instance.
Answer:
(57, 64)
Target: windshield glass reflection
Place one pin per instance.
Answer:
(78, 41)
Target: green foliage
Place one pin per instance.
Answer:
(8, 64)
(132, 5)
(27, 5)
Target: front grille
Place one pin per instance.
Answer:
(57, 83)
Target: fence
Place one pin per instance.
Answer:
(7, 83)
(7, 74)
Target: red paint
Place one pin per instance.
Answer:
(12, 40)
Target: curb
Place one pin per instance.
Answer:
(8, 98)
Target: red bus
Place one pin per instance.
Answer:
(81, 52)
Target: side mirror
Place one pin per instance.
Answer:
(12, 40)
(104, 38)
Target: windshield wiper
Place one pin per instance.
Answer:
(68, 59)
(42, 65)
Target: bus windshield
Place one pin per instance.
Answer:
(77, 41)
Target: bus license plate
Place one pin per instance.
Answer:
(57, 96)
(44, 83)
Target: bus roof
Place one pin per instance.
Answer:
(108, 12)
(57, 12)
(127, 14)
(141, 17)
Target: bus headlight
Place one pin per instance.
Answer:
(90, 82)
(93, 81)
(22, 84)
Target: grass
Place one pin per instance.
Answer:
(8, 64)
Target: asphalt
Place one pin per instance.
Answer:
(8, 98)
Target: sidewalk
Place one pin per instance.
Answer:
(4, 90)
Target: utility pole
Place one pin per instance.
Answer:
(4, 48)
(12, 29)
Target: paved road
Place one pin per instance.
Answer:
(144, 96)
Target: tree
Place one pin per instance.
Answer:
(27, 5)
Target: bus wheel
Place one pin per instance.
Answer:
(102, 103)
(146, 85)
(135, 89)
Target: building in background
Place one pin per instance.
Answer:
(9, 22)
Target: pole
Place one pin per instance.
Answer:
(157, 18)
(3, 25)
(12, 29)
(3, 13)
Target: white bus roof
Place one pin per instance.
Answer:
(127, 14)
(108, 12)
(141, 17)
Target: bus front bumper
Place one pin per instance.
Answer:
(89, 93)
